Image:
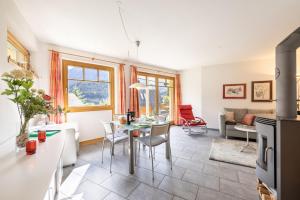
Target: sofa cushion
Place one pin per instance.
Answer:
(248, 119)
(239, 113)
(229, 117)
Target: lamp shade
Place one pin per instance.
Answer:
(138, 86)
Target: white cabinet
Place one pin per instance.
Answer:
(55, 183)
(34, 177)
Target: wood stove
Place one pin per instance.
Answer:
(266, 152)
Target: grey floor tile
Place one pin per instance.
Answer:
(179, 188)
(202, 179)
(188, 164)
(177, 198)
(71, 184)
(122, 185)
(145, 176)
(248, 179)
(238, 190)
(146, 163)
(207, 194)
(146, 192)
(91, 191)
(222, 172)
(113, 196)
(176, 172)
(238, 167)
(97, 174)
(215, 180)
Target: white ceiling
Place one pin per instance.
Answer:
(174, 34)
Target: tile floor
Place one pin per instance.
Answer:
(194, 176)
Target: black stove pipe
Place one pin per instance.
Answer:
(285, 73)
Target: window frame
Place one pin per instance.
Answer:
(21, 48)
(157, 77)
(65, 64)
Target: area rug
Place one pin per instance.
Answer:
(229, 151)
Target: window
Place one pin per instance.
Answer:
(16, 52)
(88, 87)
(158, 98)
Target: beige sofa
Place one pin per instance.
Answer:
(239, 113)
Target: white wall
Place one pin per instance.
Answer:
(12, 20)
(191, 86)
(202, 87)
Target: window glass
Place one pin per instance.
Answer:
(85, 89)
(16, 53)
(103, 75)
(90, 74)
(75, 72)
(158, 97)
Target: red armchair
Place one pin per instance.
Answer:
(189, 121)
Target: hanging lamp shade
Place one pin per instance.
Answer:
(138, 86)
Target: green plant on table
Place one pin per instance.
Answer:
(29, 101)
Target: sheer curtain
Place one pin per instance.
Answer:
(56, 87)
(134, 95)
(122, 90)
(178, 99)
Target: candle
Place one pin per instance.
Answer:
(30, 147)
(41, 136)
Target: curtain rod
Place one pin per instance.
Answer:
(93, 58)
(158, 71)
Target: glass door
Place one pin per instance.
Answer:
(158, 97)
(165, 97)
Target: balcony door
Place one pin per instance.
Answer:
(158, 98)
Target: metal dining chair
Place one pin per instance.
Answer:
(146, 131)
(159, 134)
(113, 136)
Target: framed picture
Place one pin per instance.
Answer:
(261, 91)
(234, 91)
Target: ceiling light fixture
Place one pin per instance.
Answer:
(136, 42)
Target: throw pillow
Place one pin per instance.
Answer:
(248, 119)
(229, 117)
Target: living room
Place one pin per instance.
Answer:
(203, 71)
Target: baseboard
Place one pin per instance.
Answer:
(92, 141)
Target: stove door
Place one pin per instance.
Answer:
(265, 164)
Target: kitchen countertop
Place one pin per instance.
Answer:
(27, 177)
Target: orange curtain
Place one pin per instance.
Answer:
(122, 90)
(178, 100)
(134, 94)
(56, 87)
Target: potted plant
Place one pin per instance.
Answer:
(29, 101)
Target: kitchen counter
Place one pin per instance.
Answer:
(27, 177)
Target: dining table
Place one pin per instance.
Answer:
(136, 126)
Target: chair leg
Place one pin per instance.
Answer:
(154, 153)
(103, 143)
(152, 163)
(135, 154)
(124, 148)
(111, 155)
(170, 152)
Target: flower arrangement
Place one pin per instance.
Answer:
(29, 100)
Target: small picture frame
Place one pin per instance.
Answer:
(234, 91)
(262, 91)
